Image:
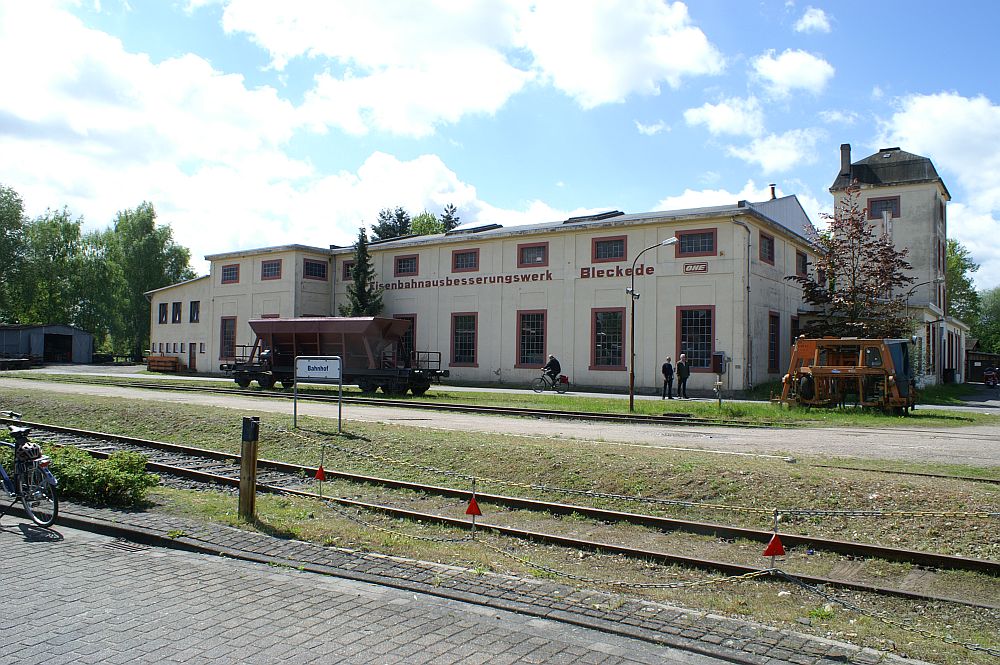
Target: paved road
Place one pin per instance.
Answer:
(76, 597)
(975, 446)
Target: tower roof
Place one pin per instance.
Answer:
(889, 166)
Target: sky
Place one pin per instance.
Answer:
(254, 123)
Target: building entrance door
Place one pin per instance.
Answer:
(193, 356)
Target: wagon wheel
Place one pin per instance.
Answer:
(367, 386)
(287, 383)
(420, 388)
(394, 388)
(242, 381)
(266, 382)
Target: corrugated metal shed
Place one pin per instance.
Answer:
(53, 343)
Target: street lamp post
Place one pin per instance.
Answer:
(635, 296)
(936, 280)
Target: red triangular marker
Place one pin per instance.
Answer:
(774, 548)
(473, 508)
(320, 473)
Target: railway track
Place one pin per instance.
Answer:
(206, 466)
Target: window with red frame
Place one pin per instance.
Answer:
(877, 206)
(463, 339)
(406, 266)
(696, 243)
(227, 337)
(270, 269)
(231, 274)
(530, 339)
(533, 255)
(314, 269)
(345, 271)
(608, 249)
(465, 260)
(766, 248)
(406, 344)
(696, 335)
(608, 328)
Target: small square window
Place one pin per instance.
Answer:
(406, 266)
(801, 264)
(270, 269)
(201, 347)
(314, 269)
(888, 204)
(231, 274)
(699, 242)
(465, 260)
(533, 255)
(345, 271)
(608, 249)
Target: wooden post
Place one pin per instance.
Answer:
(248, 468)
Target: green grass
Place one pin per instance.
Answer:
(760, 413)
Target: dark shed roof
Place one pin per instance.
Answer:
(889, 166)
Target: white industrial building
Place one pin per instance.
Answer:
(495, 301)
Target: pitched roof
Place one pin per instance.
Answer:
(889, 166)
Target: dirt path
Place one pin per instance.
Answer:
(974, 446)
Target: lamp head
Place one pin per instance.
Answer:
(672, 240)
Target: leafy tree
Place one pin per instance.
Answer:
(363, 299)
(986, 327)
(49, 284)
(856, 286)
(426, 224)
(391, 224)
(145, 257)
(963, 301)
(449, 218)
(12, 221)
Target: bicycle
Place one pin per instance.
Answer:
(545, 382)
(32, 482)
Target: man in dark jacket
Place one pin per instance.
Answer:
(552, 368)
(683, 372)
(667, 369)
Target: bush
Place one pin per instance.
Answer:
(120, 480)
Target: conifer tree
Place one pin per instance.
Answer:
(363, 299)
(449, 218)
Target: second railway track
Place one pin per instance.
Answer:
(221, 468)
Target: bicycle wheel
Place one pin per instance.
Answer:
(539, 385)
(561, 387)
(39, 498)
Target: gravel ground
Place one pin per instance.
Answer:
(974, 446)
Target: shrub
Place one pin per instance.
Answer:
(120, 480)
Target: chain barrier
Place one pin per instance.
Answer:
(789, 512)
(884, 618)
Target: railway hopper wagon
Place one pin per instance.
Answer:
(842, 371)
(369, 348)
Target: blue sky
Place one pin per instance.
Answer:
(251, 123)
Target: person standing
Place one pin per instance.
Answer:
(667, 369)
(683, 372)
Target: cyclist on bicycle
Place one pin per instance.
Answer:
(552, 368)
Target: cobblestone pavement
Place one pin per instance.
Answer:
(89, 599)
(82, 598)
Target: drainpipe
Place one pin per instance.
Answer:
(748, 365)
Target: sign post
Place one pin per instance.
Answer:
(318, 369)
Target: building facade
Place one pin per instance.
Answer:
(906, 199)
(496, 301)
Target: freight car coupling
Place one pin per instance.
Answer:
(372, 350)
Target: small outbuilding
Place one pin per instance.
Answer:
(51, 343)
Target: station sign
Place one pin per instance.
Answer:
(326, 368)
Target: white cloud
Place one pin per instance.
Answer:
(700, 198)
(652, 130)
(405, 67)
(961, 135)
(793, 70)
(599, 52)
(813, 20)
(781, 152)
(839, 117)
(741, 117)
